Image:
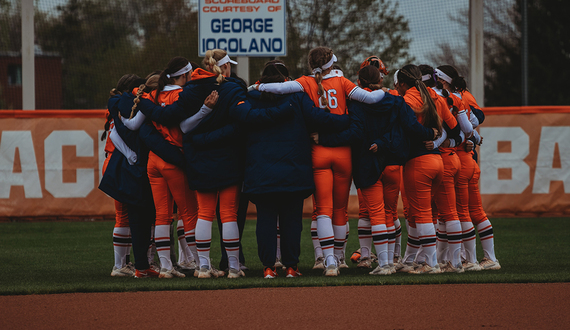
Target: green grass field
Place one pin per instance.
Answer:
(58, 257)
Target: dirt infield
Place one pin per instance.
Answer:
(511, 306)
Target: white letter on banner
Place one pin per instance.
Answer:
(492, 160)
(30, 177)
(54, 164)
(545, 173)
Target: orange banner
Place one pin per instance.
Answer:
(50, 163)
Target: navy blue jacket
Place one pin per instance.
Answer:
(215, 150)
(278, 157)
(391, 124)
(129, 183)
(126, 183)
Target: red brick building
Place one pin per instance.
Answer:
(49, 94)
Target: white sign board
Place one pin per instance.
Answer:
(242, 27)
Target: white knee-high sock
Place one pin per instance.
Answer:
(230, 236)
(315, 238)
(162, 239)
(441, 244)
(454, 239)
(391, 243)
(398, 244)
(326, 238)
(191, 242)
(485, 230)
(469, 240)
(203, 241)
(380, 239)
(121, 246)
(364, 237)
(426, 234)
(346, 238)
(412, 246)
(184, 253)
(339, 239)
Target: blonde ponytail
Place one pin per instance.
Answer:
(210, 61)
(137, 99)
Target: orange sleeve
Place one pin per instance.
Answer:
(393, 92)
(348, 86)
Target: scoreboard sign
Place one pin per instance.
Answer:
(242, 27)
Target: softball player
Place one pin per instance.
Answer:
(331, 165)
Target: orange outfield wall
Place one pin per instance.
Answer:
(50, 164)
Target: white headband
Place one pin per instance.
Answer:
(326, 66)
(180, 72)
(225, 60)
(443, 76)
(426, 77)
(396, 77)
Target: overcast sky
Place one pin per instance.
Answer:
(429, 23)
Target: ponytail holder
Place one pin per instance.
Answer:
(167, 76)
(315, 70)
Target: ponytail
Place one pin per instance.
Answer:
(411, 75)
(137, 99)
(107, 124)
(210, 61)
(318, 57)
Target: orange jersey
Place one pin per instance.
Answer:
(469, 99)
(393, 92)
(166, 97)
(337, 90)
(414, 99)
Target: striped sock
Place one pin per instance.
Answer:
(191, 242)
(469, 240)
(339, 240)
(315, 239)
(364, 237)
(427, 237)
(412, 246)
(441, 244)
(162, 239)
(346, 238)
(454, 239)
(182, 245)
(391, 243)
(203, 241)
(121, 245)
(380, 239)
(230, 236)
(326, 238)
(398, 244)
(485, 230)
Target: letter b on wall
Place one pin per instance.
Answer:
(494, 160)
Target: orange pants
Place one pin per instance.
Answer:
(373, 197)
(466, 173)
(229, 203)
(121, 215)
(405, 205)
(332, 172)
(445, 194)
(169, 184)
(391, 179)
(422, 177)
(476, 211)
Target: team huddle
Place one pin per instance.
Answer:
(200, 141)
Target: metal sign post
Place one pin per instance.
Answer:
(243, 28)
